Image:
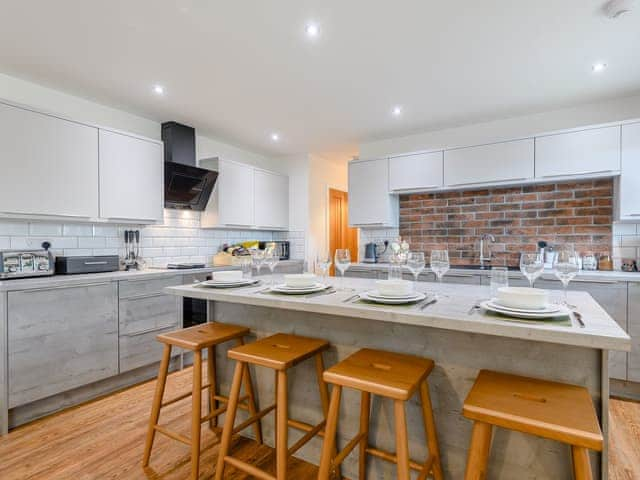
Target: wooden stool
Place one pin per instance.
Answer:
(278, 352)
(547, 409)
(391, 375)
(196, 339)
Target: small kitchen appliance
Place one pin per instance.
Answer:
(371, 254)
(282, 248)
(92, 264)
(26, 263)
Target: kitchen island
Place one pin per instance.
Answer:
(460, 343)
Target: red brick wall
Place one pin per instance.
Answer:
(518, 217)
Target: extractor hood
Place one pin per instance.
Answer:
(186, 186)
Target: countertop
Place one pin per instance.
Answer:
(602, 275)
(450, 312)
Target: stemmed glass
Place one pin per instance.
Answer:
(257, 257)
(531, 266)
(271, 259)
(342, 262)
(440, 263)
(415, 263)
(566, 266)
(323, 262)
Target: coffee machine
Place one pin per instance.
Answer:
(371, 253)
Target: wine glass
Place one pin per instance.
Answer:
(271, 259)
(440, 263)
(323, 262)
(531, 266)
(257, 257)
(342, 262)
(416, 263)
(566, 266)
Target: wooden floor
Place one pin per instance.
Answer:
(104, 439)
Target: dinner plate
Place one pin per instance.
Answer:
(306, 287)
(217, 284)
(416, 297)
(299, 291)
(562, 311)
(377, 294)
(548, 308)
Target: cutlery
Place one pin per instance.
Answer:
(426, 304)
(352, 297)
(578, 317)
(473, 309)
(324, 292)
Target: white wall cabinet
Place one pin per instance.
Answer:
(586, 152)
(271, 200)
(131, 178)
(49, 165)
(370, 204)
(628, 193)
(421, 171)
(486, 164)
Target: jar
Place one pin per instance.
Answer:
(589, 261)
(605, 262)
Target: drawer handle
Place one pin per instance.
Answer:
(487, 181)
(602, 282)
(96, 263)
(150, 330)
(144, 295)
(588, 172)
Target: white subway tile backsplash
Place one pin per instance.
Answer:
(106, 231)
(13, 228)
(91, 242)
(78, 252)
(43, 228)
(105, 251)
(77, 230)
(5, 242)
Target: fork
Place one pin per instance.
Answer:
(473, 309)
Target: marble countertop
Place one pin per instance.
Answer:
(597, 275)
(449, 312)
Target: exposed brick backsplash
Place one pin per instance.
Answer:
(574, 212)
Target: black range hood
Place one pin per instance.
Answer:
(185, 185)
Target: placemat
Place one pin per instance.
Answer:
(562, 321)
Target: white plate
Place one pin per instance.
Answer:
(299, 291)
(377, 294)
(214, 284)
(306, 287)
(530, 316)
(417, 297)
(548, 308)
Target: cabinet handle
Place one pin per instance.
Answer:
(370, 223)
(632, 215)
(460, 275)
(577, 173)
(60, 287)
(424, 187)
(149, 330)
(95, 263)
(243, 225)
(602, 282)
(144, 295)
(62, 215)
(487, 182)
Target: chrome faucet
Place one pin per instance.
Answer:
(489, 239)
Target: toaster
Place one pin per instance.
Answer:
(26, 263)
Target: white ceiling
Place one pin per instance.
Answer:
(241, 70)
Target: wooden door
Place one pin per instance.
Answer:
(340, 234)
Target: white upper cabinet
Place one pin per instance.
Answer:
(370, 204)
(421, 171)
(628, 194)
(49, 165)
(582, 153)
(131, 178)
(271, 199)
(235, 194)
(486, 164)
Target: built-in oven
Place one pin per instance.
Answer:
(194, 310)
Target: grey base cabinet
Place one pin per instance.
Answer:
(634, 332)
(60, 338)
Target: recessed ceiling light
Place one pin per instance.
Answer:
(312, 30)
(598, 67)
(275, 137)
(396, 111)
(158, 89)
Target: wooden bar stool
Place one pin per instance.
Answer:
(552, 410)
(279, 352)
(391, 375)
(196, 339)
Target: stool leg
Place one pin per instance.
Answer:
(230, 418)
(196, 413)
(211, 378)
(157, 403)
(365, 411)
(248, 387)
(430, 430)
(402, 441)
(329, 445)
(324, 400)
(478, 452)
(581, 463)
(282, 445)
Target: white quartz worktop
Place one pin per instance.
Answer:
(450, 312)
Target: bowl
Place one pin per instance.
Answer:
(298, 280)
(523, 297)
(394, 288)
(227, 276)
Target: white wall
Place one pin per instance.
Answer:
(208, 147)
(603, 112)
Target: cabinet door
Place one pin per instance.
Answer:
(494, 163)
(61, 338)
(612, 296)
(578, 153)
(634, 331)
(370, 203)
(235, 195)
(271, 199)
(415, 172)
(629, 193)
(131, 178)
(49, 165)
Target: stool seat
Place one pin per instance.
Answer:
(388, 374)
(279, 352)
(547, 409)
(203, 336)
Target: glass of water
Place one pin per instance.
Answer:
(323, 263)
(531, 266)
(246, 264)
(566, 267)
(416, 263)
(342, 262)
(271, 260)
(440, 263)
(499, 279)
(257, 257)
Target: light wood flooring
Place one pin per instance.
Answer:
(104, 439)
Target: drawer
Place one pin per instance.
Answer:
(148, 313)
(142, 349)
(136, 288)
